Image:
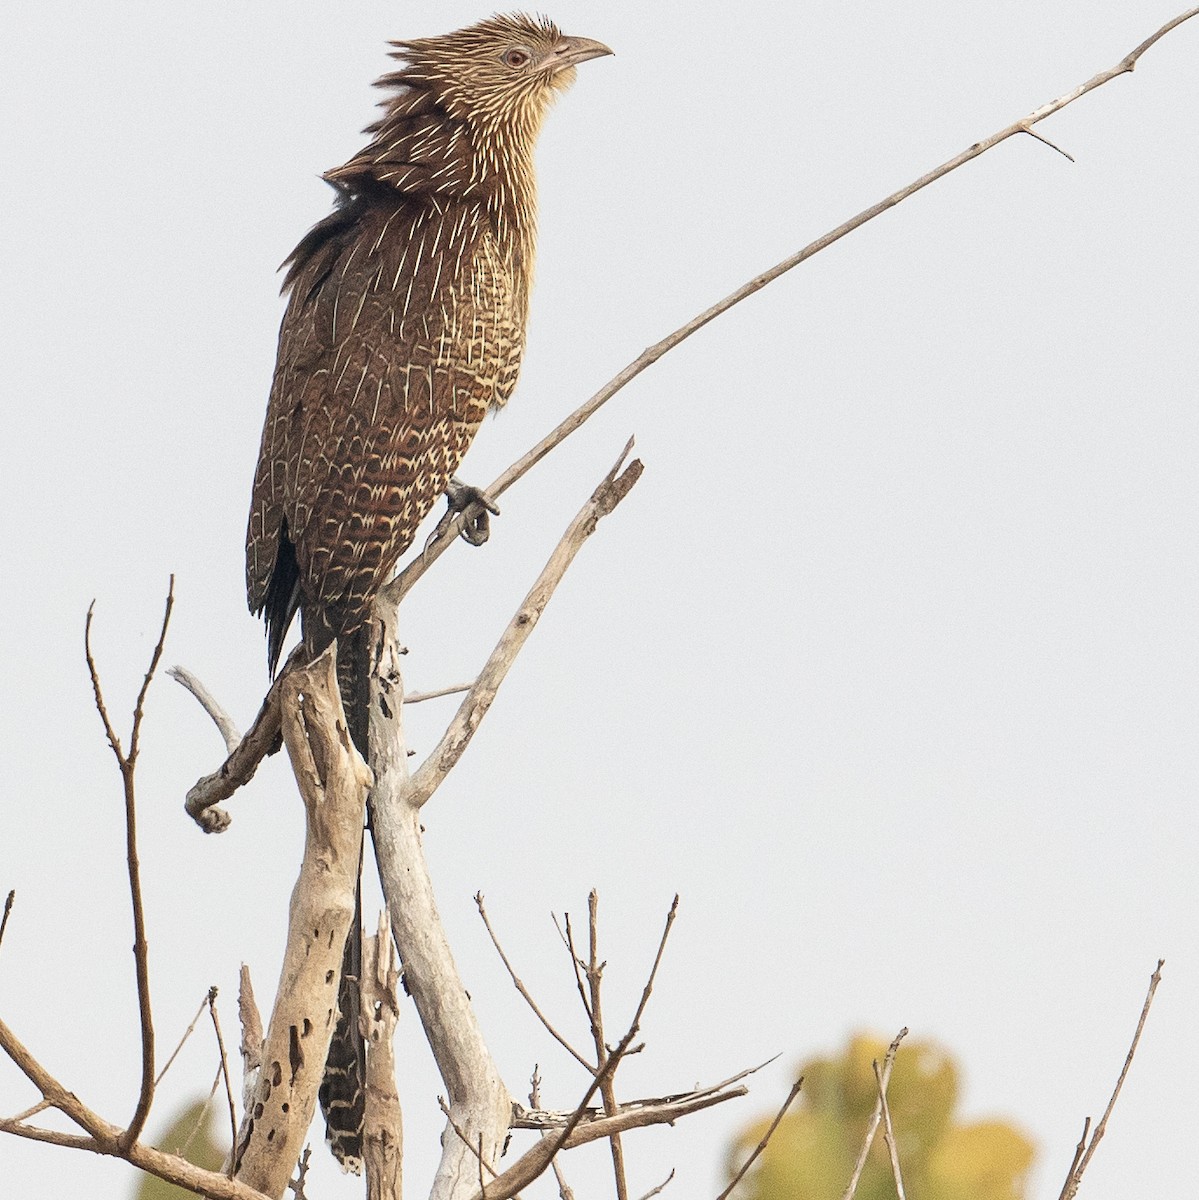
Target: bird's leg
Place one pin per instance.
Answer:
(475, 505)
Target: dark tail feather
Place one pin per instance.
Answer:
(343, 1090)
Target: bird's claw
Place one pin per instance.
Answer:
(477, 509)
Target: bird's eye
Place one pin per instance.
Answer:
(517, 57)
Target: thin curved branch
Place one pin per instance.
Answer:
(262, 738)
(208, 702)
(403, 583)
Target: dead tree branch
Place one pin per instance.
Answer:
(333, 781)
(382, 1139)
(610, 492)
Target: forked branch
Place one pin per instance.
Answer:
(127, 762)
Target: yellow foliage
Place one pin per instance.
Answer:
(812, 1153)
(191, 1134)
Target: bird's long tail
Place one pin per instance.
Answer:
(343, 1090)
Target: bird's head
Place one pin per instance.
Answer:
(501, 73)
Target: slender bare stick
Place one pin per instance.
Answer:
(568, 940)
(224, 1073)
(524, 991)
(1070, 1188)
(25, 1114)
(889, 1132)
(565, 1192)
(8, 903)
(749, 1162)
(610, 492)
(595, 976)
(875, 1118)
(182, 1042)
(657, 1191)
(403, 583)
(437, 693)
(128, 765)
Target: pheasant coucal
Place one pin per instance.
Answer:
(405, 323)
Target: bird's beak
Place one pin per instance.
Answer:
(571, 51)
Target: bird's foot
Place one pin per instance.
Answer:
(477, 509)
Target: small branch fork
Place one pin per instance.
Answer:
(565, 1130)
(127, 762)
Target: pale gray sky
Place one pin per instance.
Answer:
(889, 665)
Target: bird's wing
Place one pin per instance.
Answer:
(376, 397)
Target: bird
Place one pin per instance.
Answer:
(404, 325)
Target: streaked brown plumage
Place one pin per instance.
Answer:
(405, 324)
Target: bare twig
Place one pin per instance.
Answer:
(437, 693)
(25, 1114)
(1082, 1157)
(404, 582)
(595, 976)
(889, 1132)
(568, 940)
(182, 1042)
(565, 1192)
(475, 1147)
(128, 764)
(8, 903)
(657, 1191)
(208, 702)
(749, 1162)
(653, 974)
(224, 1074)
(524, 991)
(656, 1106)
(875, 1118)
